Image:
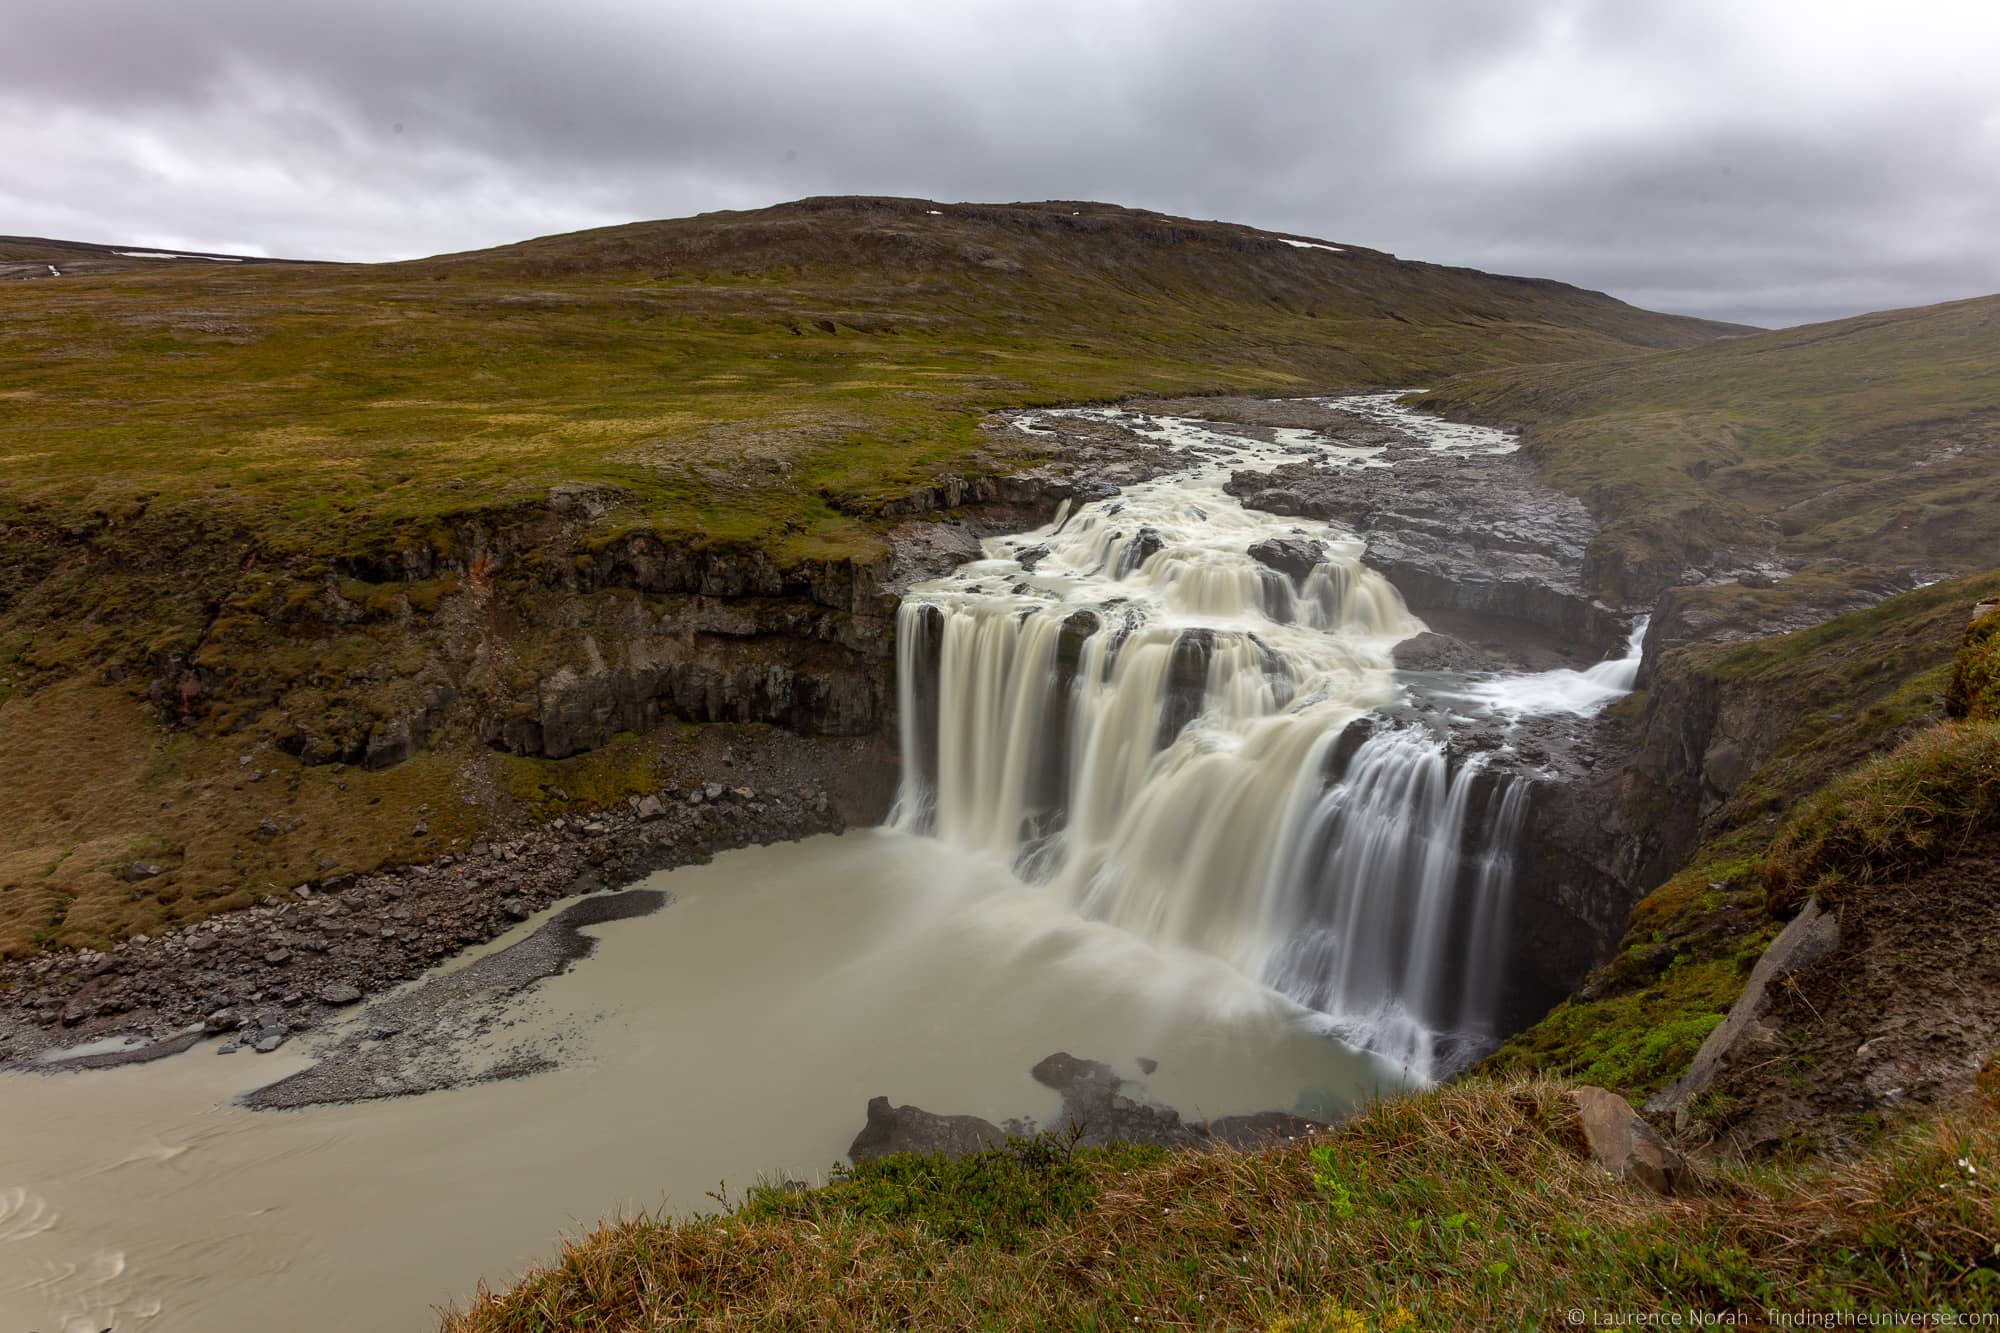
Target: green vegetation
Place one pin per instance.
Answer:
(1871, 439)
(1469, 1207)
(1003, 1197)
(1975, 673)
(755, 377)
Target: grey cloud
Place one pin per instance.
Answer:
(1774, 162)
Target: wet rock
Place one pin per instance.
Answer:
(517, 909)
(1096, 1108)
(1626, 1145)
(1146, 544)
(897, 1129)
(269, 1039)
(1466, 533)
(223, 1020)
(1438, 652)
(1295, 557)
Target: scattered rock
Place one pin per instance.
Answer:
(269, 1039)
(339, 993)
(139, 870)
(517, 909)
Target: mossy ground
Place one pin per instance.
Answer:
(1473, 1206)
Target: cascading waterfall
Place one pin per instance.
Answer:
(1164, 706)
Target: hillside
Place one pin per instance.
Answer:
(32, 257)
(1871, 440)
(367, 535)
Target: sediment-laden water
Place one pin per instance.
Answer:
(735, 1035)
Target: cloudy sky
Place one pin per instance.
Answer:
(1773, 161)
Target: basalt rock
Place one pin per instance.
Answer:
(1294, 557)
(911, 1129)
(1098, 1107)
(1456, 533)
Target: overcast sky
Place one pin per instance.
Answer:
(1773, 161)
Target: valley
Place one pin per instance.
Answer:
(1315, 686)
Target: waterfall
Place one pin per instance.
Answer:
(1166, 708)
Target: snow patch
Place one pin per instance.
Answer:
(1312, 245)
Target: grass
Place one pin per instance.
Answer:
(754, 378)
(1871, 439)
(1894, 815)
(1470, 1206)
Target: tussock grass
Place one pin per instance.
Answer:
(1912, 807)
(1473, 1205)
(1975, 674)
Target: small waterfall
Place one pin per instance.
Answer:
(1165, 708)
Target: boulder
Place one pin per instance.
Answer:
(1292, 556)
(139, 870)
(339, 993)
(1626, 1145)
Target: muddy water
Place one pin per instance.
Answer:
(736, 1034)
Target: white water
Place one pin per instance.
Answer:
(1139, 714)
(1563, 690)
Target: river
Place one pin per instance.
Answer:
(1156, 813)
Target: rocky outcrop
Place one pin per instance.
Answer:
(911, 1129)
(1098, 1107)
(1453, 532)
(1809, 937)
(528, 629)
